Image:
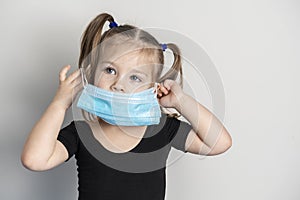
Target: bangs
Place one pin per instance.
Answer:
(150, 55)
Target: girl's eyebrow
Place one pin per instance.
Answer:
(140, 72)
(109, 62)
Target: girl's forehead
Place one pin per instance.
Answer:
(128, 52)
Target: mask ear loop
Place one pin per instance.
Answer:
(155, 89)
(83, 78)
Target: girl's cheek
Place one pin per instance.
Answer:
(102, 82)
(138, 87)
(105, 77)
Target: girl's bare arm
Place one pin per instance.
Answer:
(208, 135)
(42, 150)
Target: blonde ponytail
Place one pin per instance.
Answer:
(172, 74)
(176, 67)
(91, 38)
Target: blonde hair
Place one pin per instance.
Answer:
(93, 37)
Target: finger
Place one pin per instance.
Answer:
(163, 89)
(63, 72)
(73, 76)
(159, 94)
(168, 84)
(76, 82)
(77, 89)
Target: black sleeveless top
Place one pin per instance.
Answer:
(135, 175)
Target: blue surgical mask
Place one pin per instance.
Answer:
(123, 109)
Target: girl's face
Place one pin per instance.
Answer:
(129, 73)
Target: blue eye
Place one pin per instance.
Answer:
(110, 70)
(135, 78)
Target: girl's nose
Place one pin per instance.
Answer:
(118, 86)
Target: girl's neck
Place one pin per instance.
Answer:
(115, 138)
(120, 131)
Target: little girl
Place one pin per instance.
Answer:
(124, 62)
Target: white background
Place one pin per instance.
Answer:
(255, 46)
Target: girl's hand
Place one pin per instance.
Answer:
(68, 87)
(170, 94)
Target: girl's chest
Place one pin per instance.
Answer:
(119, 141)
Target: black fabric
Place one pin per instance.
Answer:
(98, 181)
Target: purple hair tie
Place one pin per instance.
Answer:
(164, 46)
(113, 24)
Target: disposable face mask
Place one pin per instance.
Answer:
(123, 109)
